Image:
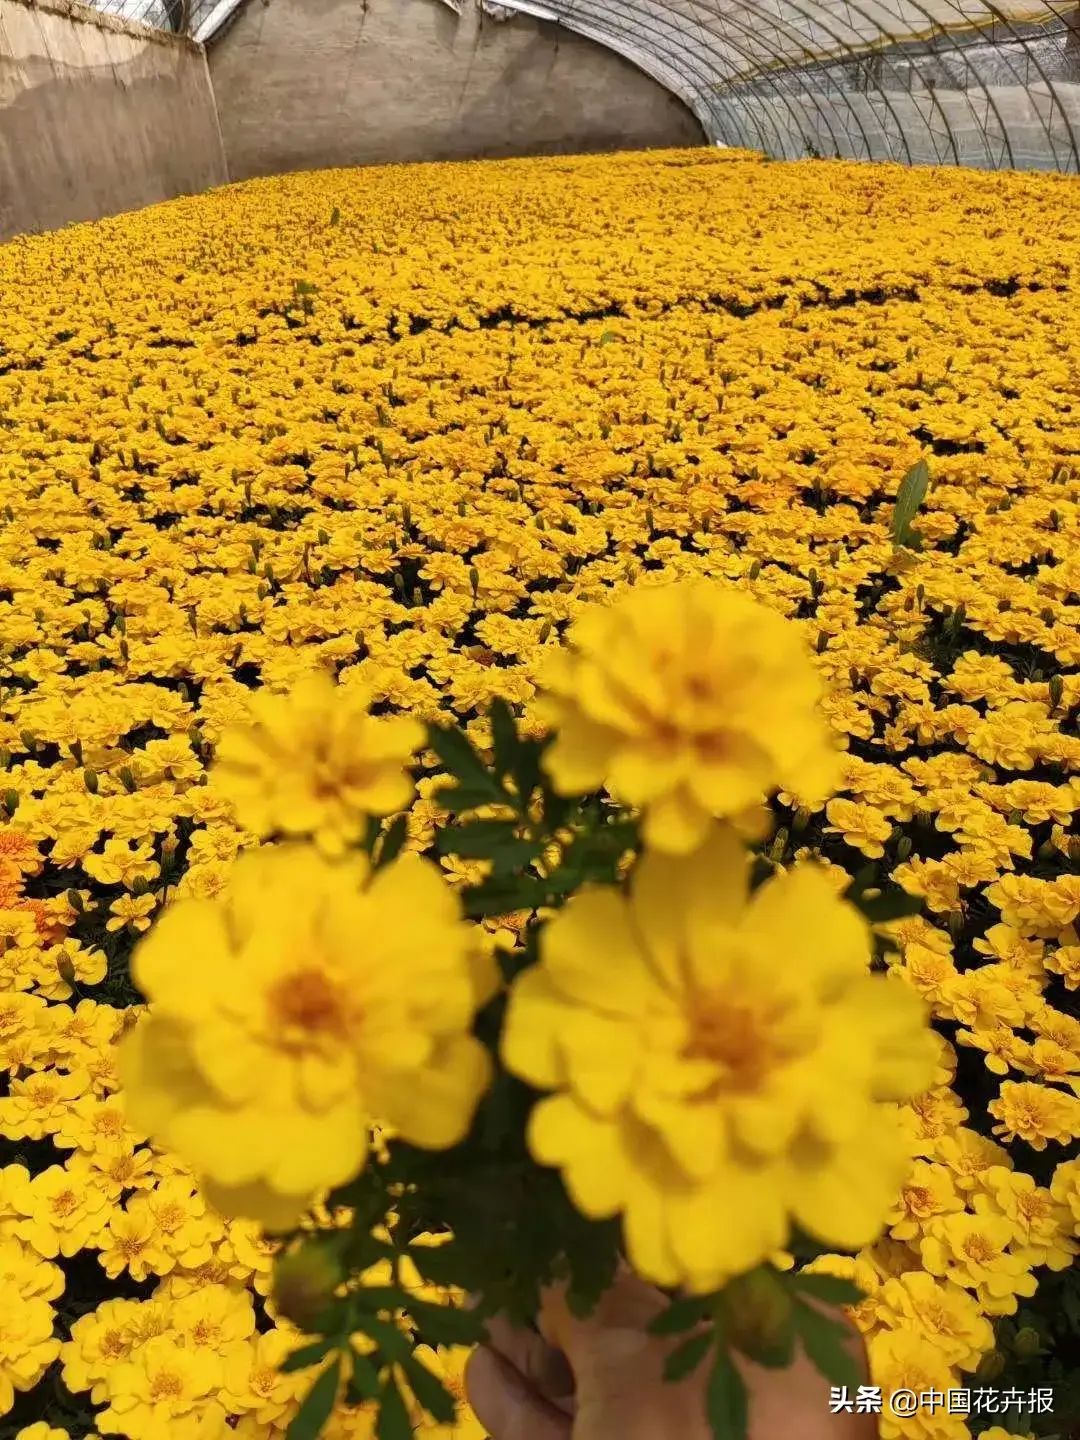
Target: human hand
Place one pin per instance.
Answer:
(602, 1379)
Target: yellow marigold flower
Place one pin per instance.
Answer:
(906, 1359)
(58, 1214)
(27, 1344)
(946, 1314)
(863, 827)
(131, 910)
(133, 1242)
(41, 1430)
(1042, 1223)
(254, 1384)
(968, 1155)
(316, 762)
(1065, 1188)
(292, 1010)
(708, 1089)
(688, 701)
(19, 853)
(1035, 1113)
(161, 1383)
(251, 1254)
(28, 1272)
(216, 1316)
(448, 1364)
(928, 1192)
(99, 1340)
(188, 1227)
(122, 863)
(974, 1251)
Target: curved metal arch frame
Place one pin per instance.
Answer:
(639, 39)
(769, 75)
(900, 135)
(708, 87)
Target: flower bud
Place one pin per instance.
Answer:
(127, 779)
(801, 820)
(66, 970)
(954, 923)
(139, 885)
(90, 780)
(1027, 1343)
(304, 1285)
(1074, 849)
(990, 1366)
(757, 1311)
(1056, 687)
(75, 900)
(754, 571)
(903, 849)
(11, 801)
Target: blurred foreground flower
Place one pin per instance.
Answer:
(316, 762)
(722, 1063)
(289, 1012)
(690, 701)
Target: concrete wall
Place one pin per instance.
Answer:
(304, 84)
(97, 115)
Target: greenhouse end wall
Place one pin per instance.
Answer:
(302, 84)
(97, 116)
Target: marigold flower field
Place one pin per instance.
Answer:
(403, 424)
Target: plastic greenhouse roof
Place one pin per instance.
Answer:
(993, 85)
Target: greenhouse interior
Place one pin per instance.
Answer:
(539, 720)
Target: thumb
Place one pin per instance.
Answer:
(619, 1367)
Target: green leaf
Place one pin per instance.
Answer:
(828, 1346)
(318, 1404)
(438, 1264)
(503, 895)
(526, 775)
(881, 909)
(476, 839)
(726, 1400)
(461, 759)
(446, 1324)
(829, 1289)
(460, 799)
(682, 1314)
(373, 1298)
(504, 736)
(686, 1359)
(364, 1380)
(909, 499)
(861, 881)
(307, 1355)
(392, 841)
(393, 1422)
(431, 1392)
(391, 1342)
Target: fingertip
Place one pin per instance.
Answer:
(505, 1405)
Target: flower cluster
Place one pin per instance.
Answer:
(245, 448)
